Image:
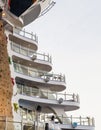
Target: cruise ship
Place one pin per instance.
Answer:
(32, 97)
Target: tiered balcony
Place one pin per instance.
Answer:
(31, 58)
(24, 13)
(25, 39)
(30, 97)
(78, 123)
(56, 82)
(30, 91)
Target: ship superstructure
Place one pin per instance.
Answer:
(20, 13)
(37, 92)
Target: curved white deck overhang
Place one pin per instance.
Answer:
(26, 61)
(29, 102)
(40, 83)
(24, 41)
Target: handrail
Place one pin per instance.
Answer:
(26, 34)
(81, 121)
(29, 52)
(30, 91)
(38, 74)
(47, 9)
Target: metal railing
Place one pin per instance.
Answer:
(38, 74)
(47, 9)
(30, 91)
(88, 121)
(26, 34)
(7, 123)
(28, 52)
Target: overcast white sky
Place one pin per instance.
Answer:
(71, 33)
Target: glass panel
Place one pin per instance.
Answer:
(26, 90)
(24, 51)
(35, 91)
(24, 70)
(19, 88)
(16, 48)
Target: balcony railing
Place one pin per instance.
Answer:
(80, 121)
(30, 91)
(25, 34)
(8, 123)
(28, 52)
(38, 74)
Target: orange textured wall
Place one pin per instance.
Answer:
(6, 87)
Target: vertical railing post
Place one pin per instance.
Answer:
(56, 96)
(64, 78)
(78, 99)
(62, 119)
(89, 121)
(39, 93)
(22, 89)
(19, 49)
(73, 96)
(65, 95)
(44, 56)
(71, 119)
(47, 95)
(24, 32)
(37, 121)
(36, 39)
(93, 122)
(30, 91)
(80, 120)
(32, 35)
(21, 125)
(28, 50)
(50, 59)
(44, 117)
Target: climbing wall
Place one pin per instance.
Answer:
(6, 87)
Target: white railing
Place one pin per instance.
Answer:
(88, 121)
(30, 91)
(38, 74)
(28, 52)
(8, 123)
(47, 9)
(28, 35)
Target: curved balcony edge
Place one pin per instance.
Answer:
(32, 100)
(24, 41)
(83, 124)
(39, 82)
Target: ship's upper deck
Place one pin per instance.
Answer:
(20, 13)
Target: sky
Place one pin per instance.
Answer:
(71, 33)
